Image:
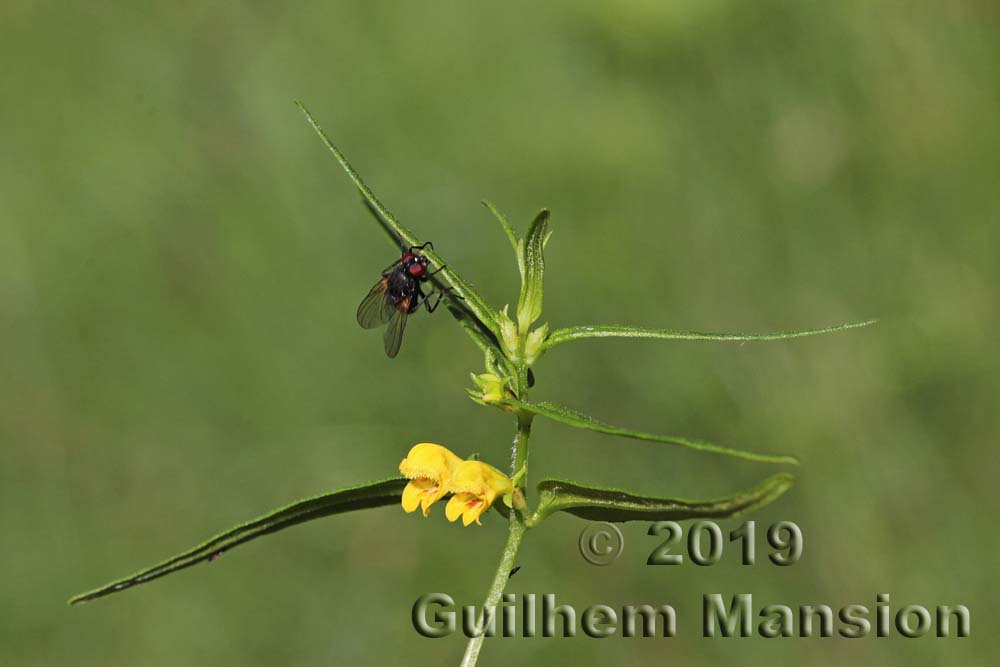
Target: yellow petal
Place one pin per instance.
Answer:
(473, 512)
(431, 495)
(422, 492)
(429, 461)
(411, 497)
(480, 479)
(453, 509)
(466, 505)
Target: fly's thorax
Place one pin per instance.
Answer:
(401, 285)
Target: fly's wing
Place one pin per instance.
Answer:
(375, 309)
(392, 267)
(394, 331)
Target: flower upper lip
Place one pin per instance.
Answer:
(429, 467)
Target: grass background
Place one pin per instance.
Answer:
(180, 261)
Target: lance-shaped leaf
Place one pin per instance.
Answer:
(473, 300)
(600, 504)
(531, 262)
(480, 334)
(508, 229)
(613, 331)
(570, 417)
(366, 496)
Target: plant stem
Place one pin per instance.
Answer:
(514, 536)
(515, 533)
(520, 458)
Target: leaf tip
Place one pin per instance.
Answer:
(783, 480)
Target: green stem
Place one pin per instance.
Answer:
(515, 532)
(521, 446)
(514, 537)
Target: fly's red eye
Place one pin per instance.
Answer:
(407, 256)
(417, 269)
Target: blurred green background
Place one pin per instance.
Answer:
(180, 261)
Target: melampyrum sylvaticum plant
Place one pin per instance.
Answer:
(512, 345)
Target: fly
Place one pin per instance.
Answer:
(396, 295)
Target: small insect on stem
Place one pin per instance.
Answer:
(397, 294)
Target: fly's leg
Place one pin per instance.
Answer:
(431, 307)
(421, 247)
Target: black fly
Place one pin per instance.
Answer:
(397, 294)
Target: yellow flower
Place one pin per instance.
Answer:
(475, 485)
(430, 468)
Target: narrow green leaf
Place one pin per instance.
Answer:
(603, 331)
(473, 300)
(470, 323)
(507, 228)
(570, 417)
(532, 265)
(389, 231)
(483, 338)
(600, 504)
(374, 494)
